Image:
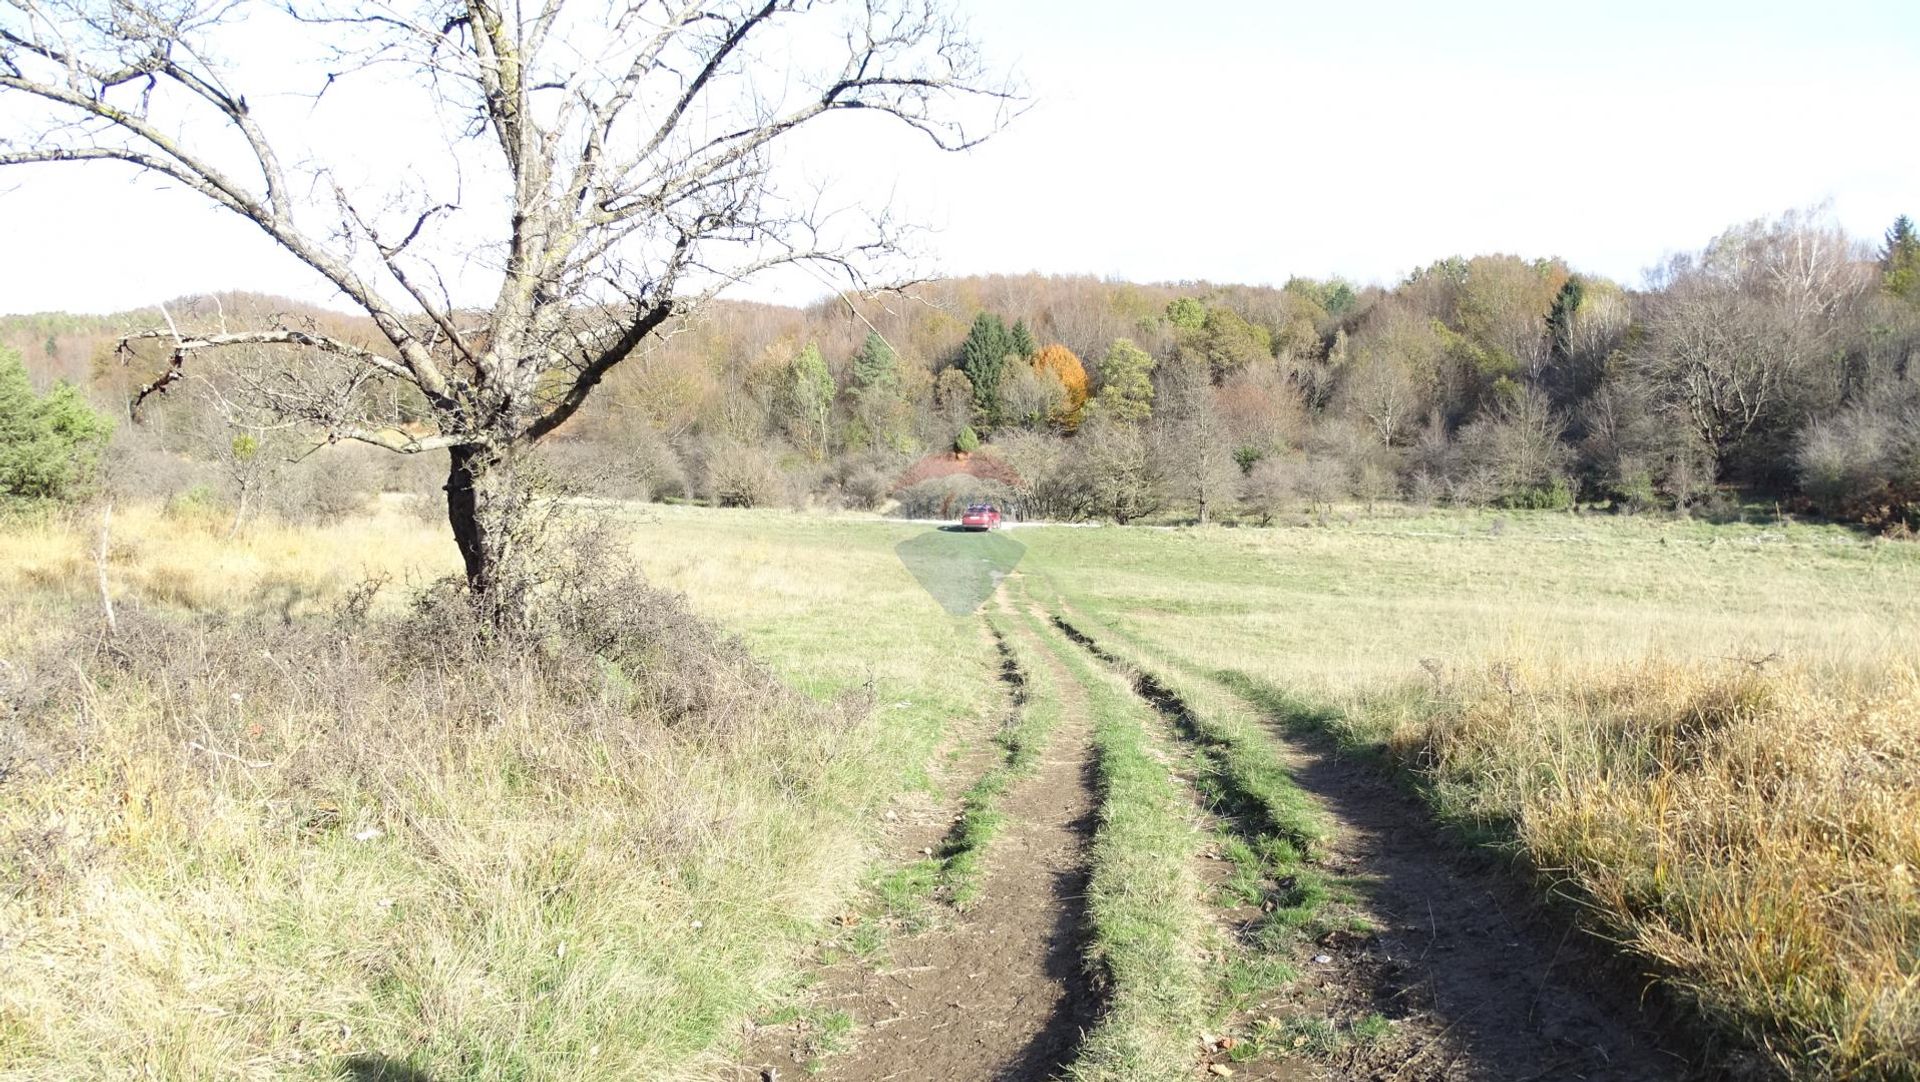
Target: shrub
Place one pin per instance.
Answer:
(50, 445)
(1863, 464)
(947, 496)
(743, 475)
(481, 848)
(967, 442)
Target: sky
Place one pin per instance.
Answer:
(1249, 142)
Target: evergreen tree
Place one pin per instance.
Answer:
(1900, 260)
(875, 366)
(809, 403)
(1560, 318)
(1024, 346)
(983, 357)
(49, 447)
(882, 415)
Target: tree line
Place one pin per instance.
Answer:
(1775, 362)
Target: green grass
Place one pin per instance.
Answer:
(695, 873)
(1033, 712)
(1666, 718)
(1270, 832)
(1360, 605)
(1146, 921)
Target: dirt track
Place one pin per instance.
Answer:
(1480, 985)
(1477, 983)
(999, 991)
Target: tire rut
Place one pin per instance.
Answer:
(1478, 984)
(998, 991)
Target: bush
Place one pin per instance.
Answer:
(743, 475)
(326, 487)
(137, 466)
(641, 465)
(50, 445)
(1555, 495)
(967, 442)
(946, 497)
(1863, 464)
(1512, 455)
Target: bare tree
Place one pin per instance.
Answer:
(621, 161)
(1745, 336)
(1191, 439)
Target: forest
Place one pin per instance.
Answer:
(1772, 365)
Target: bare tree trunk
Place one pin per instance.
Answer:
(486, 508)
(239, 512)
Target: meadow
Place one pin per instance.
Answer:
(240, 843)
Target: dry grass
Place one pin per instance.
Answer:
(253, 852)
(170, 910)
(251, 841)
(1754, 832)
(1711, 734)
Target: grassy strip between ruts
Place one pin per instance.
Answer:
(1021, 737)
(1270, 831)
(1145, 915)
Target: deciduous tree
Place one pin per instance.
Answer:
(619, 166)
(1126, 383)
(1060, 363)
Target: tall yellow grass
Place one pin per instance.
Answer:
(1753, 829)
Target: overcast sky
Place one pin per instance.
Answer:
(1249, 142)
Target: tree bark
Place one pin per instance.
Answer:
(485, 506)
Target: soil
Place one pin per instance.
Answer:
(1480, 983)
(998, 991)
(1478, 979)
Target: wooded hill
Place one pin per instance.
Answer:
(1776, 361)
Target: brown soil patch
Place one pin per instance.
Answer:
(1480, 985)
(996, 992)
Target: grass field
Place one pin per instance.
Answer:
(1708, 731)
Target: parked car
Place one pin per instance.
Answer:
(980, 516)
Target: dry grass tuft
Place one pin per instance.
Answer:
(251, 848)
(1752, 828)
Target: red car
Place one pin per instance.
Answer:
(980, 516)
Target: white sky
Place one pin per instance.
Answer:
(1248, 142)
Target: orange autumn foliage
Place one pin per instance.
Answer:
(1061, 362)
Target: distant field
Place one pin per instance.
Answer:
(1592, 691)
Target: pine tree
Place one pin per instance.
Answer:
(983, 357)
(1900, 260)
(1566, 304)
(1024, 346)
(875, 366)
(49, 447)
(810, 394)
